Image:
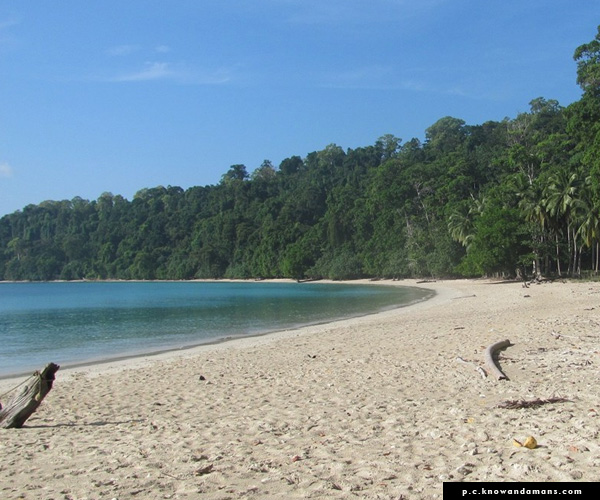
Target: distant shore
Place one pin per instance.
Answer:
(377, 406)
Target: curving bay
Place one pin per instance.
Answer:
(78, 322)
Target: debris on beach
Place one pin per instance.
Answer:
(464, 297)
(489, 358)
(516, 404)
(530, 442)
(27, 397)
(480, 370)
(204, 470)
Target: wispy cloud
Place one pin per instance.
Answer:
(439, 81)
(7, 41)
(156, 68)
(356, 11)
(128, 49)
(7, 23)
(380, 77)
(474, 90)
(367, 77)
(150, 71)
(6, 170)
(178, 73)
(122, 50)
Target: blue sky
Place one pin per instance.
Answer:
(116, 96)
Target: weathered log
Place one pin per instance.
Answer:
(489, 358)
(26, 401)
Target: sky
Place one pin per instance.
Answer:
(116, 96)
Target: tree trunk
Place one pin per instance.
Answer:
(537, 270)
(575, 267)
(570, 268)
(558, 256)
(25, 402)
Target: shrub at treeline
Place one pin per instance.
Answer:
(520, 196)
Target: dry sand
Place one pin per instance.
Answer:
(373, 407)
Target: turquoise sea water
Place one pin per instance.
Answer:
(69, 323)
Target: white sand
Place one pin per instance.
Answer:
(373, 407)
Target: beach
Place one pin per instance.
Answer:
(388, 405)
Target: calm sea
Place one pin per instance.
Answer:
(69, 323)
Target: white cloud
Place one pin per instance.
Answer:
(155, 71)
(122, 50)
(151, 71)
(128, 49)
(6, 170)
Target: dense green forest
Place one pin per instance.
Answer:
(515, 197)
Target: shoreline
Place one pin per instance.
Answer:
(134, 359)
(371, 407)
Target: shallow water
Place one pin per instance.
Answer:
(69, 323)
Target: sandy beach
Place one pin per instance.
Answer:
(376, 407)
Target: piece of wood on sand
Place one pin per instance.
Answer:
(480, 370)
(489, 358)
(27, 399)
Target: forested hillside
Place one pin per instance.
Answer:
(517, 196)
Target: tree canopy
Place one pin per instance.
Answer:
(517, 196)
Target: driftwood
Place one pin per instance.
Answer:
(480, 370)
(464, 297)
(560, 336)
(489, 358)
(26, 401)
(522, 403)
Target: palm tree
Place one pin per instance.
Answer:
(460, 222)
(588, 221)
(561, 198)
(533, 209)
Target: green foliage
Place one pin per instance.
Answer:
(520, 195)
(588, 65)
(499, 245)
